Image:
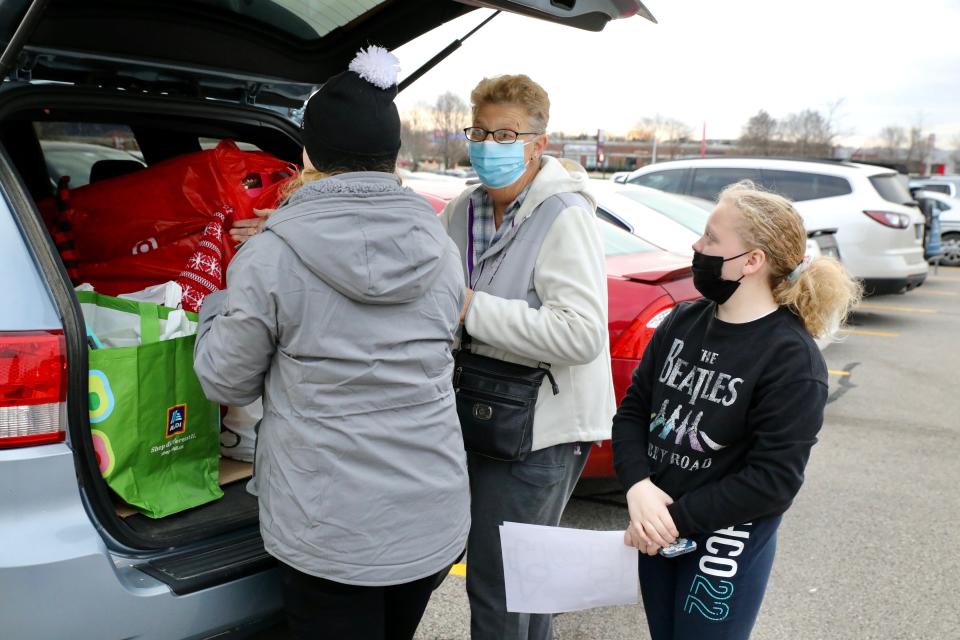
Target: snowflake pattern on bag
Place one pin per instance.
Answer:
(204, 269)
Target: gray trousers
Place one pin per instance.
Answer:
(534, 491)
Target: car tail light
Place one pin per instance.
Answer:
(890, 219)
(33, 386)
(634, 340)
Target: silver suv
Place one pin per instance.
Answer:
(166, 78)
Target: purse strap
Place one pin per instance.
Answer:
(466, 341)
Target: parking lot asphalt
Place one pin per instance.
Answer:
(870, 548)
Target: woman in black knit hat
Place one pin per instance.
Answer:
(341, 313)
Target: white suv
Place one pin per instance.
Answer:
(879, 228)
(949, 185)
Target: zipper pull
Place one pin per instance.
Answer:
(576, 448)
(457, 374)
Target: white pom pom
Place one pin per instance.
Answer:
(377, 66)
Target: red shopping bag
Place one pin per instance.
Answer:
(140, 229)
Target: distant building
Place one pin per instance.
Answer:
(938, 162)
(626, 155)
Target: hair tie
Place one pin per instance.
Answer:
(793, 275)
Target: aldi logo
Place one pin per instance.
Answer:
(176, 420)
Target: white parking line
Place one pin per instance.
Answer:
(865, 332)
(894, 308)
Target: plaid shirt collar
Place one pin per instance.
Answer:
(483, 229)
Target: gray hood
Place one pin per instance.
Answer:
(372, 240)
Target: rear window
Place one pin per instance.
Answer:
(617, 242)
(939, 188)
(689, 215)
(85, 150)
(890, 188)
(670, 180)
(303, 19)
(211, 143)
(800, 185)
(708, 183)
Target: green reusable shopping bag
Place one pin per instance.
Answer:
(155, 434)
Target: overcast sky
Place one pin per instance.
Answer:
(720, 62)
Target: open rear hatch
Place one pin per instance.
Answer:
(271, 51)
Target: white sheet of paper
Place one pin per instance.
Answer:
(554, 569)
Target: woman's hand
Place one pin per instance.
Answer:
(466, 305)
(651, 526)
(243, 230)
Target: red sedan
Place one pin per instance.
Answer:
(644, 283)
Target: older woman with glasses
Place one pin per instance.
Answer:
(534, 267)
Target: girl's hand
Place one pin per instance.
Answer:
(634, 538)
(650, 522)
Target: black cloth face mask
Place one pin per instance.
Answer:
(707, 278)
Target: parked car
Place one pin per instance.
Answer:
(644, 283)
(73, 562)
(692, 212)
(947, 185)
(677, 208)
(948, 209)
(661, 230)
(879, 230)
(464, 173)
(86, 163)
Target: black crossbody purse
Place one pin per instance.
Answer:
(496, 401)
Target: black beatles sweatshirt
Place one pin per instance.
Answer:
(722, 416)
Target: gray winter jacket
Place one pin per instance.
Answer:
(341, 314)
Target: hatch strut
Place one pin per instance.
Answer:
(27, 26)
(437, 59)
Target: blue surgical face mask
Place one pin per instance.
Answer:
(498, 165)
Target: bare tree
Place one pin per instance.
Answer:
(918, 148)
(833, 118)
(676, 132)
(759, 135)
(642, 131)
(450, 115)
(416, 135)
(809, 132)
(663, 129)
(892, 140)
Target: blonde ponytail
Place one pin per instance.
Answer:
(821, 293)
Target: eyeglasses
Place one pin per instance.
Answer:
(503, 136)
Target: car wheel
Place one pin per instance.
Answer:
(951, 249)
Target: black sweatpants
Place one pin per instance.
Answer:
(714, 592)
(318, 609)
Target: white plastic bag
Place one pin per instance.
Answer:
(169, 294)
(238, 440)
